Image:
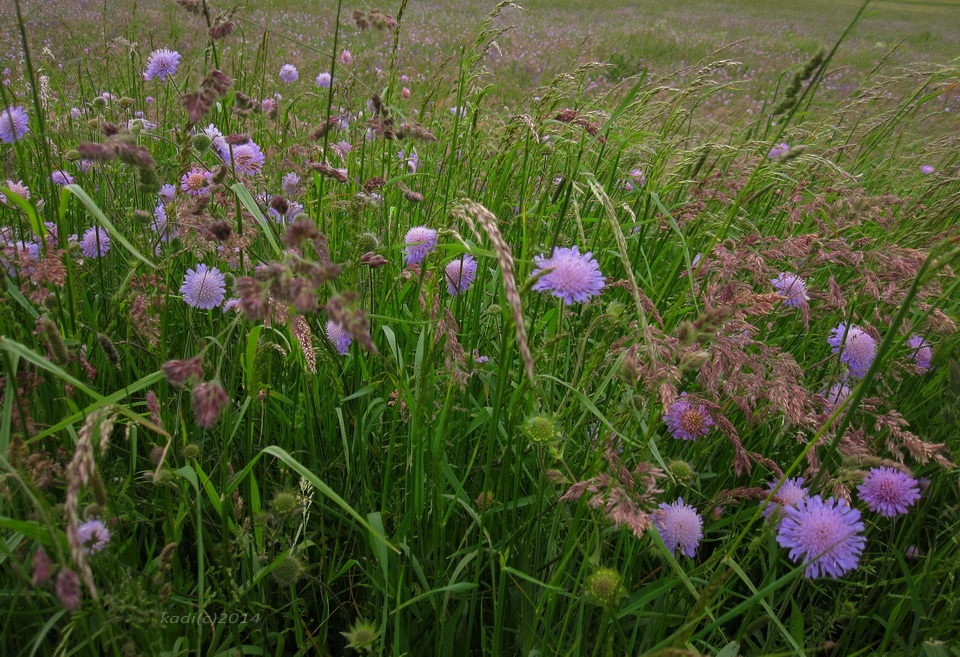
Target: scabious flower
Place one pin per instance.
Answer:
(460, 274)
(291, 185)
(162, 63)
(680, 526)
(14, 124)
(95, 242)
(323, 80)
(926, 169)
(687, 421)
(791, 492)
(635, 179)
(836, 394)
(61, 177)
(792, 287)
(575, 276)
(778, 151)
(203, 287)
(420, 241)
(248, 158)
(17, 188)
(196, 182)
(289, 73)
(921, 352)
(167, 192)
(824, 535)
(346, 57)
(889, 491)
(160, 225)
(93, 535)
(339, 337)
(217, 142)
(856, 347)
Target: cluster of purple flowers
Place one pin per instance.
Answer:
(856, 347)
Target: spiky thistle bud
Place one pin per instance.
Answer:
(100, 102)
(680, 470)
(201, 142)
(604, 587)
(288, 572)
(541, 429)
(284, 503)
(190, 451)
(361, 636)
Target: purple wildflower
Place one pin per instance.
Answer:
(420, 241)
(95, 242)
(294, 209)
(460, 274)
(778, 151)
(61, 177)
(323, 80)
(14, 124)
(836, 395)
(575, 276)
(291, 185)
(346, 57)
(680, 527)
(196, 182)
(93, 535)
(858, 347)
(289, 73)
(162, 63)
(926, 169)
(203, 287)
(792, 287)
(217, 142)
(635, 179)
(167, 192)
(248, 158)
(686, 421)
(888, 491)
(160, 225)
(825, 535)
(921, 352)
(339, 337)
(17, 188)
(791, 492)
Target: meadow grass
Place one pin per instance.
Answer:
(340, 454)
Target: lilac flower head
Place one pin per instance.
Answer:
(160, 225)
(203, 287)
(921, 352)
(575, 276)
(889, 491)
(926, 169)
(248, 158)
(778, 151)
(61, 177)
(792, 287)
(95, 242)
(836, 395)
(289, 73)
(346, 57)
(825, 535)
(460, 274)
(857, 349)
(291, 185)
(14, 124)
(686, 421)
(93, 535)
(323, 80)
(167, 192)
(420, 241)
(635, 179)
(217, 142)
(162, 63)
(196, 182)
(791, 492)
(339, 337)
(17, 188)
(680, 527)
